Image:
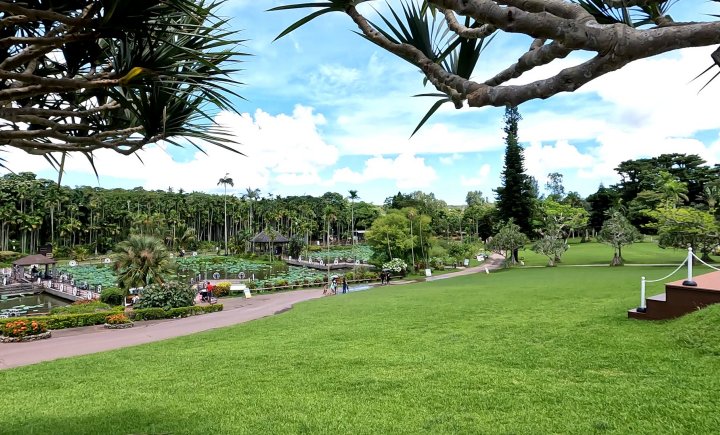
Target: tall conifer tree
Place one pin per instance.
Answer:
(514, 196)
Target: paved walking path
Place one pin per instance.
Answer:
(90, 339)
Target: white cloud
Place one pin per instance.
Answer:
(540, 159)
(406, 170)
(480, 178)
(282, 149)
(449, 160)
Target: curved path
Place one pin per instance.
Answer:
(90, 339)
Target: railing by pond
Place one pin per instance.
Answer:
(70, 289)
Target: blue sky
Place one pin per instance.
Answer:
(326, 110)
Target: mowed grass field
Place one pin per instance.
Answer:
(533, 351)
(601, 254)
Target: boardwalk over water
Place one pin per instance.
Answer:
(320, 265)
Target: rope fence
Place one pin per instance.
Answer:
(688, 282)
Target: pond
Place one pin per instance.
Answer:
(32, 304)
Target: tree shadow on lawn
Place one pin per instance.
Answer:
(97, 419)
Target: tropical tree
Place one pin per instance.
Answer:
(225, 181)
(84, 75)
(142, 260)
(514, 196)
(617, 232)
(682, 227)
(616, 33)
(508, 240)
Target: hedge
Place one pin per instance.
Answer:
(64, 321)
(159, 313)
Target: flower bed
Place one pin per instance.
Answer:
(23, 330)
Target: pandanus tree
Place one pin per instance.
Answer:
(84, 75)
(444, 39)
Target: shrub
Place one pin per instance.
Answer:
(159, 313)
(23, 328)
(81, 307)
(397, 265)
(166, 296)
(9, 256)
(113, 296)
(117, 319)
(221, 289)
(251, 285)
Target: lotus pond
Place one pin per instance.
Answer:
(359, 252)
(208, 267)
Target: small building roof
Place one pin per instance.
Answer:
(33, 259)
(263, 237)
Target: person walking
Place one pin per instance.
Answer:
(344, 285)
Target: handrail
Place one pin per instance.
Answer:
(708, 265)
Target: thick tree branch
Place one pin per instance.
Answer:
(466, 32)
(531, 59)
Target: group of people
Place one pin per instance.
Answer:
(385, 277)
(332, 288)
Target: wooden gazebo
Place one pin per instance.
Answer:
(268, 241)
(20, 264)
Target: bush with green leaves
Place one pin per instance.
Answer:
(221, 289)
(166, 296)
(81, 307)
(113, 296)
(159, 313)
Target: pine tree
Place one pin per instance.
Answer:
(515, 197)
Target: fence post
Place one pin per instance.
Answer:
(642, 308)
(689, 281)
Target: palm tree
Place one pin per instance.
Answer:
(143, 260)
(225, 181)
(252, 195)
(672, 190)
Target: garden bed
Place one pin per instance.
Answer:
(41, 336)
(118, 325)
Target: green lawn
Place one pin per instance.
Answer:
(599, 253)
(533, 351)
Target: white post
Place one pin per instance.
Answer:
(642, 295)
(689, 282)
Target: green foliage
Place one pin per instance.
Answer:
(143, 260)
(9, 256)
(221, 289)
(684, 226)
(508, 240)
(389, 236)
(515, 195)
(81, 307)
(166, 296)
(551, 247)
(113, 296)
(618, 232)
(159, 313)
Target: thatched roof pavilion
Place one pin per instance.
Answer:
(263, 237)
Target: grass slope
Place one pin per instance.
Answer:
(519, 351)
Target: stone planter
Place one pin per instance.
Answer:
(42, 336)
(119, 325)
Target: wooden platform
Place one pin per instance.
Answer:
(679, 299)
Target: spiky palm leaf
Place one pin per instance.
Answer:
(327, 7)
